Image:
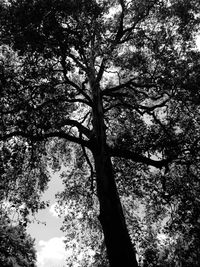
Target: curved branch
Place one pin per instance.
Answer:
(42, 137)
(81, 128)
(75, 59)
(127, 154)
(129, 85)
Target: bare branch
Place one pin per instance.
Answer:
(120, 30)
(101, 71)
(41, 137)
(153, 107)
(75, 59)
(91, 168)
(127, 154)
(130, 84)
(130, 101)
(74, 123)
(82, 91)
(161, 125)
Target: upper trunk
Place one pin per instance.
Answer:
(119, 247)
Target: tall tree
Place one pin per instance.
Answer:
(91, 72)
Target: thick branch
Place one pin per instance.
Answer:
(82, 129)
(120, 30)
(134, 105)
(127, 154)
(101, 71)
(153, 107)
(129, 85)
(75, 59)
(42, 137)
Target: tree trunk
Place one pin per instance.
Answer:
(120, 250)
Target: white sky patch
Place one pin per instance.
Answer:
(53, 210)
(58, 211)
(112, 11)
(148, 119)
(164, 239)
(198, 42)
(52, 253)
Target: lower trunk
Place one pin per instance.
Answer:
(120, 250)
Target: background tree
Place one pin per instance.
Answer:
(91, 72)
(19, 173)
(16, 247)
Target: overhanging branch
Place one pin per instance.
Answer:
(82, 129)
(127, 154)
(45, 136)
(130, 85)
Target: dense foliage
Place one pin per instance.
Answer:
(120, 79)
(16, 247)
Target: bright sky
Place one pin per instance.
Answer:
(198, 42)
(48, 238)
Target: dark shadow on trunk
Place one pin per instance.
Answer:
(119, 247)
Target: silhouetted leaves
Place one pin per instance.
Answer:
(140, 57)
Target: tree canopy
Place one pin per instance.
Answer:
(120, 79)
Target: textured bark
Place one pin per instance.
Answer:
(120, 250)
